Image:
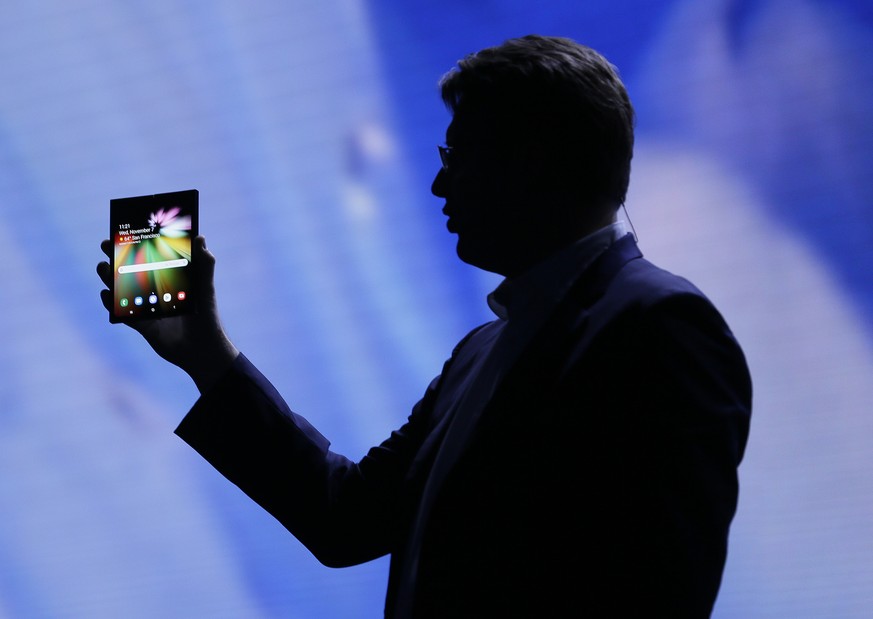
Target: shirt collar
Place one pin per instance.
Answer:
(543, 285)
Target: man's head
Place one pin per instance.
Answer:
(541, 142)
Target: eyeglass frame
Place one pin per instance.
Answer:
(445, 156)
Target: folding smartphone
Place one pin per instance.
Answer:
(151, 257)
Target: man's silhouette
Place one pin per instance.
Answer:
(576, 456)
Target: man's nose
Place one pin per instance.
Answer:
(439, 185)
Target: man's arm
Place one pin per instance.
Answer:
(344, 512)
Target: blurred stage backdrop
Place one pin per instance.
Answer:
(310, 128)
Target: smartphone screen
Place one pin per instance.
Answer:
(151, 258)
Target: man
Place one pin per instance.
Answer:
(578, 455)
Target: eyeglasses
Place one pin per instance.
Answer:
(446, 156)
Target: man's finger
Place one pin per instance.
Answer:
(104, 273)
(106, 298)
(203, 256)
(205, 264)
(106, 246)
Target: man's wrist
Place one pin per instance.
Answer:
(212, 365)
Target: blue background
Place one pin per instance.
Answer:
(309, 128)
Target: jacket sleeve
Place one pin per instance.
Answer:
(672, 408)
(344, 512)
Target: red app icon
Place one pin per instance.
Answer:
(181, 295)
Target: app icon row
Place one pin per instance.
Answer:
(152, 299)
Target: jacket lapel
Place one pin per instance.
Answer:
(547, 355)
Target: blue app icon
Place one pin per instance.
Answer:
(137, 300)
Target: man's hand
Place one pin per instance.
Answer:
(194, 342)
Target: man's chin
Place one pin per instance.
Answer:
(479, 256)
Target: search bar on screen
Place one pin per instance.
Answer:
(153, 266)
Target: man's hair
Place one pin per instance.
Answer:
(559, 97)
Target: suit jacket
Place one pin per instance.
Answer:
(600, 480)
